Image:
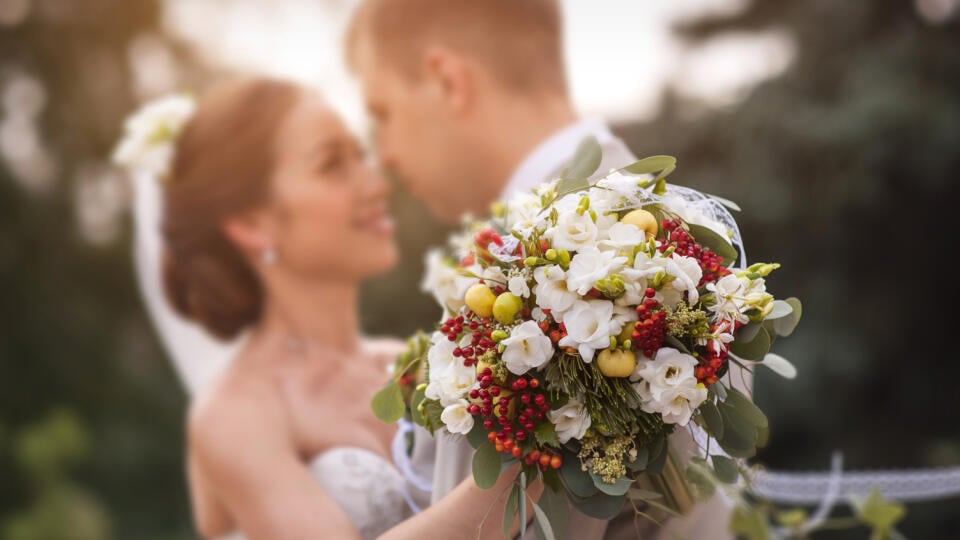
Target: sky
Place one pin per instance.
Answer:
(620, 53)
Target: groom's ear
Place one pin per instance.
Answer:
(248, 231)
(450, 76)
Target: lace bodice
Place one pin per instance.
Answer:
(366, 486)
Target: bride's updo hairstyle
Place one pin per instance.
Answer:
(223, 162)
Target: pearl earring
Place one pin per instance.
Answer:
(268, 256)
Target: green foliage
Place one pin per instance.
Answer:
(486, 465)
(388, 403)
(586, 159)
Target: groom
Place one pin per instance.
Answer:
(470, 102)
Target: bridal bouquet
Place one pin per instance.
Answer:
(586, 322)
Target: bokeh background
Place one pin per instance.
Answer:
(834, 124)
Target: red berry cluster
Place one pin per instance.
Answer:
(480, 341)
(651, 330)
(684, 244)
(711, 362)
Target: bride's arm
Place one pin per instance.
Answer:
(468, 512)
(244, 453)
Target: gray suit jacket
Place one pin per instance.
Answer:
(451, 458)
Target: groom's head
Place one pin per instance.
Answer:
(456, 89)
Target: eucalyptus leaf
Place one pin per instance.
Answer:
(388, 403)
(556, 510)
(586, 160)
(700, 481)
(620, 487)
(748, 331)
(718, 390)
(577, 482)
(785, 326)
(643, 494)
(639, 464)
(486, 465)
(652, 164)
(726, 469)
(544, 528)
(780, 365)
(418, 396)
(739, 436)
(600, 505)
(477, 436)
(551, 478)
(780, 309)
(522, 507)
(711, 416)
(749, 523)
(763, 437)
(878, 512)
(656, 463)
(510, 509)
(720, 245)
(754, 349)
(747, 408)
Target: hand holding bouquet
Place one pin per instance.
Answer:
(586, 322)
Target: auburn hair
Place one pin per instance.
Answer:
(222, 166)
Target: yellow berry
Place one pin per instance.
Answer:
(643, 220)
(616, 363)
(506, 307)
(480, 299)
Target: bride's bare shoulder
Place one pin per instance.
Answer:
(234, 406)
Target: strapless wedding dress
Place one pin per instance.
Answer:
(369, 489)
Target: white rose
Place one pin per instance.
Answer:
(552, 292)
(589, 266)
(571, 421)
(589, 327)
(518, 286)
(456, 417)
(573, 231)
(526, 348)
(678, 404)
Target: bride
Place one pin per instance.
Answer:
(271, 219)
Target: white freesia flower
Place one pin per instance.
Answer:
(571, 421)
(518, 286)
(589, 327)
(449, 380)
(443, 280)
(526, 348)
(456, 417)
(552, 292)
(623, 236)
(622, 190)
(522, 213)
(590, 265)
(668, 385)
(687, 273)
(150, 135)
(573, 231)
(494, 274)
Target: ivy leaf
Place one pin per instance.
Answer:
(586, 160)
(547, 434)
(707, 238)
(726, 469)
(486, 465)
(388, 403)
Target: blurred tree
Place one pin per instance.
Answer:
(74, 332)
(846, 168)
